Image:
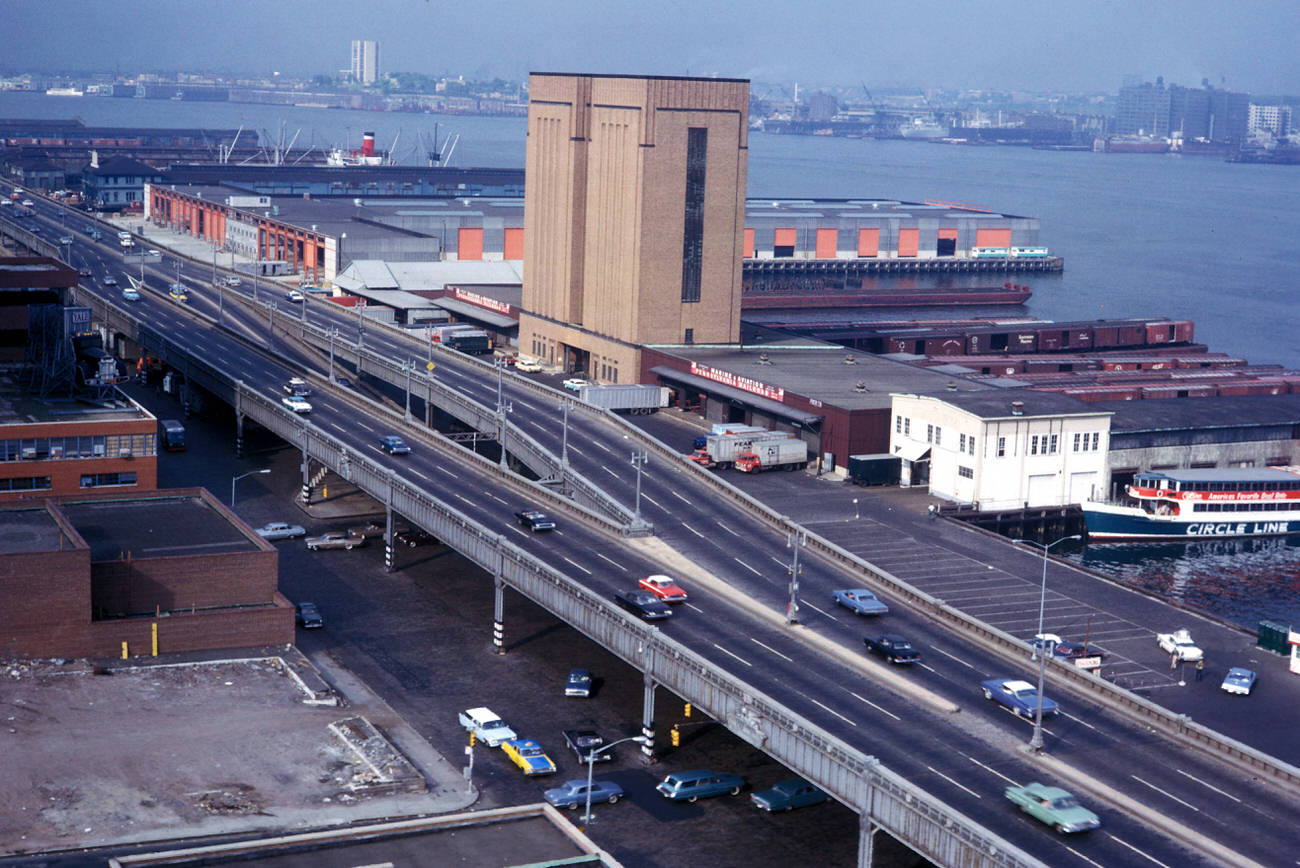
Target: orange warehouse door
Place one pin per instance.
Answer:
(992, 237)
(514, 243)
(908, 241)
(469, 244)
(783, 245)
(868, 242)
(749, 243)
(827, 239)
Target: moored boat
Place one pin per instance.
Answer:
(1197, 503)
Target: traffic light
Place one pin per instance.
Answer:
(687, 711)
(676, 736)
(472, 739)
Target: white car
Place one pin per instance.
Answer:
(280, 530)
(294, 296)
(296, 404)
(1179, 643)
(530, 366)
(486, 725)
(575, 383)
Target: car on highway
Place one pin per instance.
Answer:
(308, 616)
(334, 539)
(294, 296)
(88, 229)
(527, 365)
(28, 203)
(860, 601)
(368, 531)
(575, 384)
(1239, 680)
(1179, 643)
(571, 794)
(583, 742)
(579, 683)
(297, 386)
(274, 530)
(891, 646)
(65, 239)
(483, 724)
(699, 784)
(130, 293)
(110, 280)
(296, 404)
(1054, 806)
(231, 280)
(788, 795)
(394, 445)
(413, 537)
(663, 587)
(177, 291)
(535, 520)
(529, 756)
(1017, 696)
(83, 272)
(643, 604)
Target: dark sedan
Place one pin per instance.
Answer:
(308, 616)
(415, 537)
(893, 648)
(535, 520)
(643, 605)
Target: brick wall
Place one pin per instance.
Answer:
(144, 584)
(46, 601)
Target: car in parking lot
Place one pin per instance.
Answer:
(482, 723)
(860, 601)
(110, 280)
(892, 647)
(394, 445)
(535, 520)
(575, 384)
(1239, 681)
(643, 604)
(130, 293)
(529, 756)
(583, 742)
(699, 784)
(663, 587)
(1017, 696)
(334, 539)
(1061, 648)
(788, 795)
(368, 531)
(1179, 644)
(527, 365)
(413, 537)
(296, 404)
(274, 530)
(308, 616)
(1054, 806)
(579, 683)
(571, 794)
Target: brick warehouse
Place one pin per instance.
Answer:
(84, 576)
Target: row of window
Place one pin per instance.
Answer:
(91, 446)
(25, 483)
(1239, 486)
(104, 480)
(965, 472)
(1039, 444)
(1045, 442)
(1245, 507)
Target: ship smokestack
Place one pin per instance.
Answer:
(367, 144)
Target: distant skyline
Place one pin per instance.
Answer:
(1065, 45)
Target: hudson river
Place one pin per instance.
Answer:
(1142, 235)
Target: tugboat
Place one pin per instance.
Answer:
(367, 156)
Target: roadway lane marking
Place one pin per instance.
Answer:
(833, 711)
(573, 448)
(953, 656)
(815, 609)
(679, 497)
(954, 783)
(1163, 793)
(600, 445)
(928, 668)
(615, 563)
(652, 500)
(421, 475)
(783, 564)
(580, 566)
(1077, 720)
(693, 530)
(1208, 786)
(695, 607)
(747, 566)
(724, 527)
(992, 771)
(465, 499)
(1136, 850)
(1083, 857)
(773, 650)
(449, 473)
(742, 660)
(497, 499)
(610, 472)
(876, 707)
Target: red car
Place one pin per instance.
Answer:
(664, 588)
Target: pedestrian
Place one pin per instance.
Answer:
(1173, 660)
(930, 509)
(1200, 668)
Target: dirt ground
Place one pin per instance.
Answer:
(158, 752)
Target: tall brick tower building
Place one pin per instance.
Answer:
(633, 217)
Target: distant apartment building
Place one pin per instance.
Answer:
(1161, 110)
(365, 61)
(1274, 119)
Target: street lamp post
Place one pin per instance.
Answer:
(1036, 742)
(241, 476)
(591, 762)
(795, 540)
(639, 460)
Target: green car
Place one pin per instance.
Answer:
(1053, 806)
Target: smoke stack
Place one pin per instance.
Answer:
(1017, 408)
(367, 144)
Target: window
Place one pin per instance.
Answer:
(970, 445)
(697, 141)
(99, 480)
(690, 333)
(961, 442)
(25, 483)
(1052, 449)
(1002, 446)
(1077, 435)
(898, 424)
(929, 433)
(965, 472)
(1033, 445)
(907, 426)
(1096, 438)
(938, 435)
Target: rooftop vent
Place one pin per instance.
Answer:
(860, 386)
(850, 360)
(763, 359)
(952, 385)
(1017, 408)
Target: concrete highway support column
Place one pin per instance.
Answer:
(648, 721)
(866, 839)
(498, 615)
(239, 435)
(388, 538)
(306, 472)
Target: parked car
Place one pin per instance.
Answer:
(528, 365)
(130, 293)
(535, 520)
(1062, 648)
(413, 537)
(1239, 680)
(296, 404)
(110, 280)
(860, 601)
(699, 784)
(1179, 643)
(1054, 806)
(483, 724)
(575, 384)
(787, 795)
(583, 741)
(1019, 697)
(571, 794)
(394, 445)
(664, 587)
(643, 604)
(274, 530)
(579, 683)
(368, 531)
(308, 616)
(529, 756)
(334, 539)
(892, 647)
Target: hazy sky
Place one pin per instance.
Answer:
(1090, 45)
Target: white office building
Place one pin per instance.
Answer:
(365, 61)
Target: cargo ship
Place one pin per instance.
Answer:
(1189, 504)
(1007, 293)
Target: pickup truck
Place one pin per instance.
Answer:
(1179, 643)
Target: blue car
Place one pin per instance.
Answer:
(787, 795)
(1018, 697)
(1239, 680)
(860, 601)
(699, 784)
(571, 794)
(579, 683)
(394, 445)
